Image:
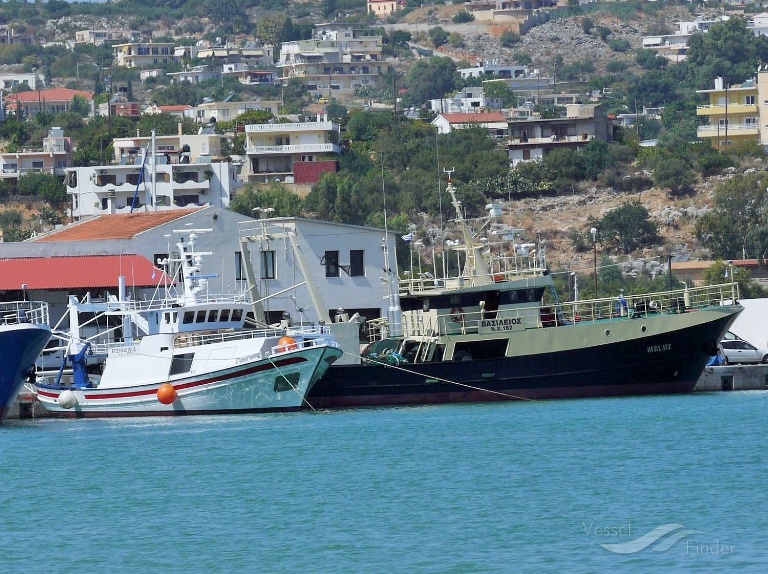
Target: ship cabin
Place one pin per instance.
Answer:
(212, 316)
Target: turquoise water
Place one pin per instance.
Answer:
(512, 487)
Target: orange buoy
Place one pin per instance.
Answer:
(166, 394)
(286, 344)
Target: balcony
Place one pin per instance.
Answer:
(292, 149)
(721, 110)
(298, 127)
(734, 130)
(549, 141)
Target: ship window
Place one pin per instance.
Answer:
(200, 317)
(237, 314)
(181, 363)
(224, 315)
(189, 317)
(213, 316)
(167, 317)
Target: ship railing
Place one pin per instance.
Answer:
(622, 307)
(131, 305)
(674, 301)
(17, 312)
(426, 282)
(209, 337)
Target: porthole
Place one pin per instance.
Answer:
(607, 332)
(643, 328)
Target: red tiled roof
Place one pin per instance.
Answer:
(52, 95)
(77, 272)
(475, 118)
(122, 226)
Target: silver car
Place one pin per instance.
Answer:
(736, 351)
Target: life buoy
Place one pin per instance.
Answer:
(457, 315)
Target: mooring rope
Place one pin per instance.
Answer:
(465, 385)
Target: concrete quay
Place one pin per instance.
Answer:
(733, 378)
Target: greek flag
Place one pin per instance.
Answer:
(408, 237)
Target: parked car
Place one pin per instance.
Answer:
(736, 351)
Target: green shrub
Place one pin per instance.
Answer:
(462, 17)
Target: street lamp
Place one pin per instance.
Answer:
(593, 231)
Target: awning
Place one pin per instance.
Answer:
(53, 273)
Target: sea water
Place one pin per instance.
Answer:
(649, 484)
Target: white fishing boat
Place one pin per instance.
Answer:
(185, 354)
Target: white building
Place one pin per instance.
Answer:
(53, 158)
(345, 262)
(468, 100)
(143, 54)
(294, 153)
(184, 174)
(674, 47)
(228, 111)
(338, 59)
(494, 122)
(195, 75)
(10, 81)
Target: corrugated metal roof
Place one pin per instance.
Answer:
(77, 272)
(119, 226)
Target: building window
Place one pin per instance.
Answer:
(267, 264)
(331, 262)
(750, 100)
(356, 264)
(239, 269)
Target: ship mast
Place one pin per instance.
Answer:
(476, 266)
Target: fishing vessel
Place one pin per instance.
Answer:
(183, 354)
(24, 332)
(500, 333)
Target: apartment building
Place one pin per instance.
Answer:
(336, 61)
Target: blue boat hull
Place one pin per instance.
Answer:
(20, 345)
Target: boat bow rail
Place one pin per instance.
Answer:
(17, 312)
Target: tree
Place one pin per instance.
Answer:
(431, 79)
(285, 202)
(295, 95)
(438, 36)
(165, 125)
(673, 173)
(736, 226)
(509, 38)
(498, 90)
(628, 227)
(603, 32)
(80, 106)
(328, 7)
(462, 17)
(43, 185)
(722, 272)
